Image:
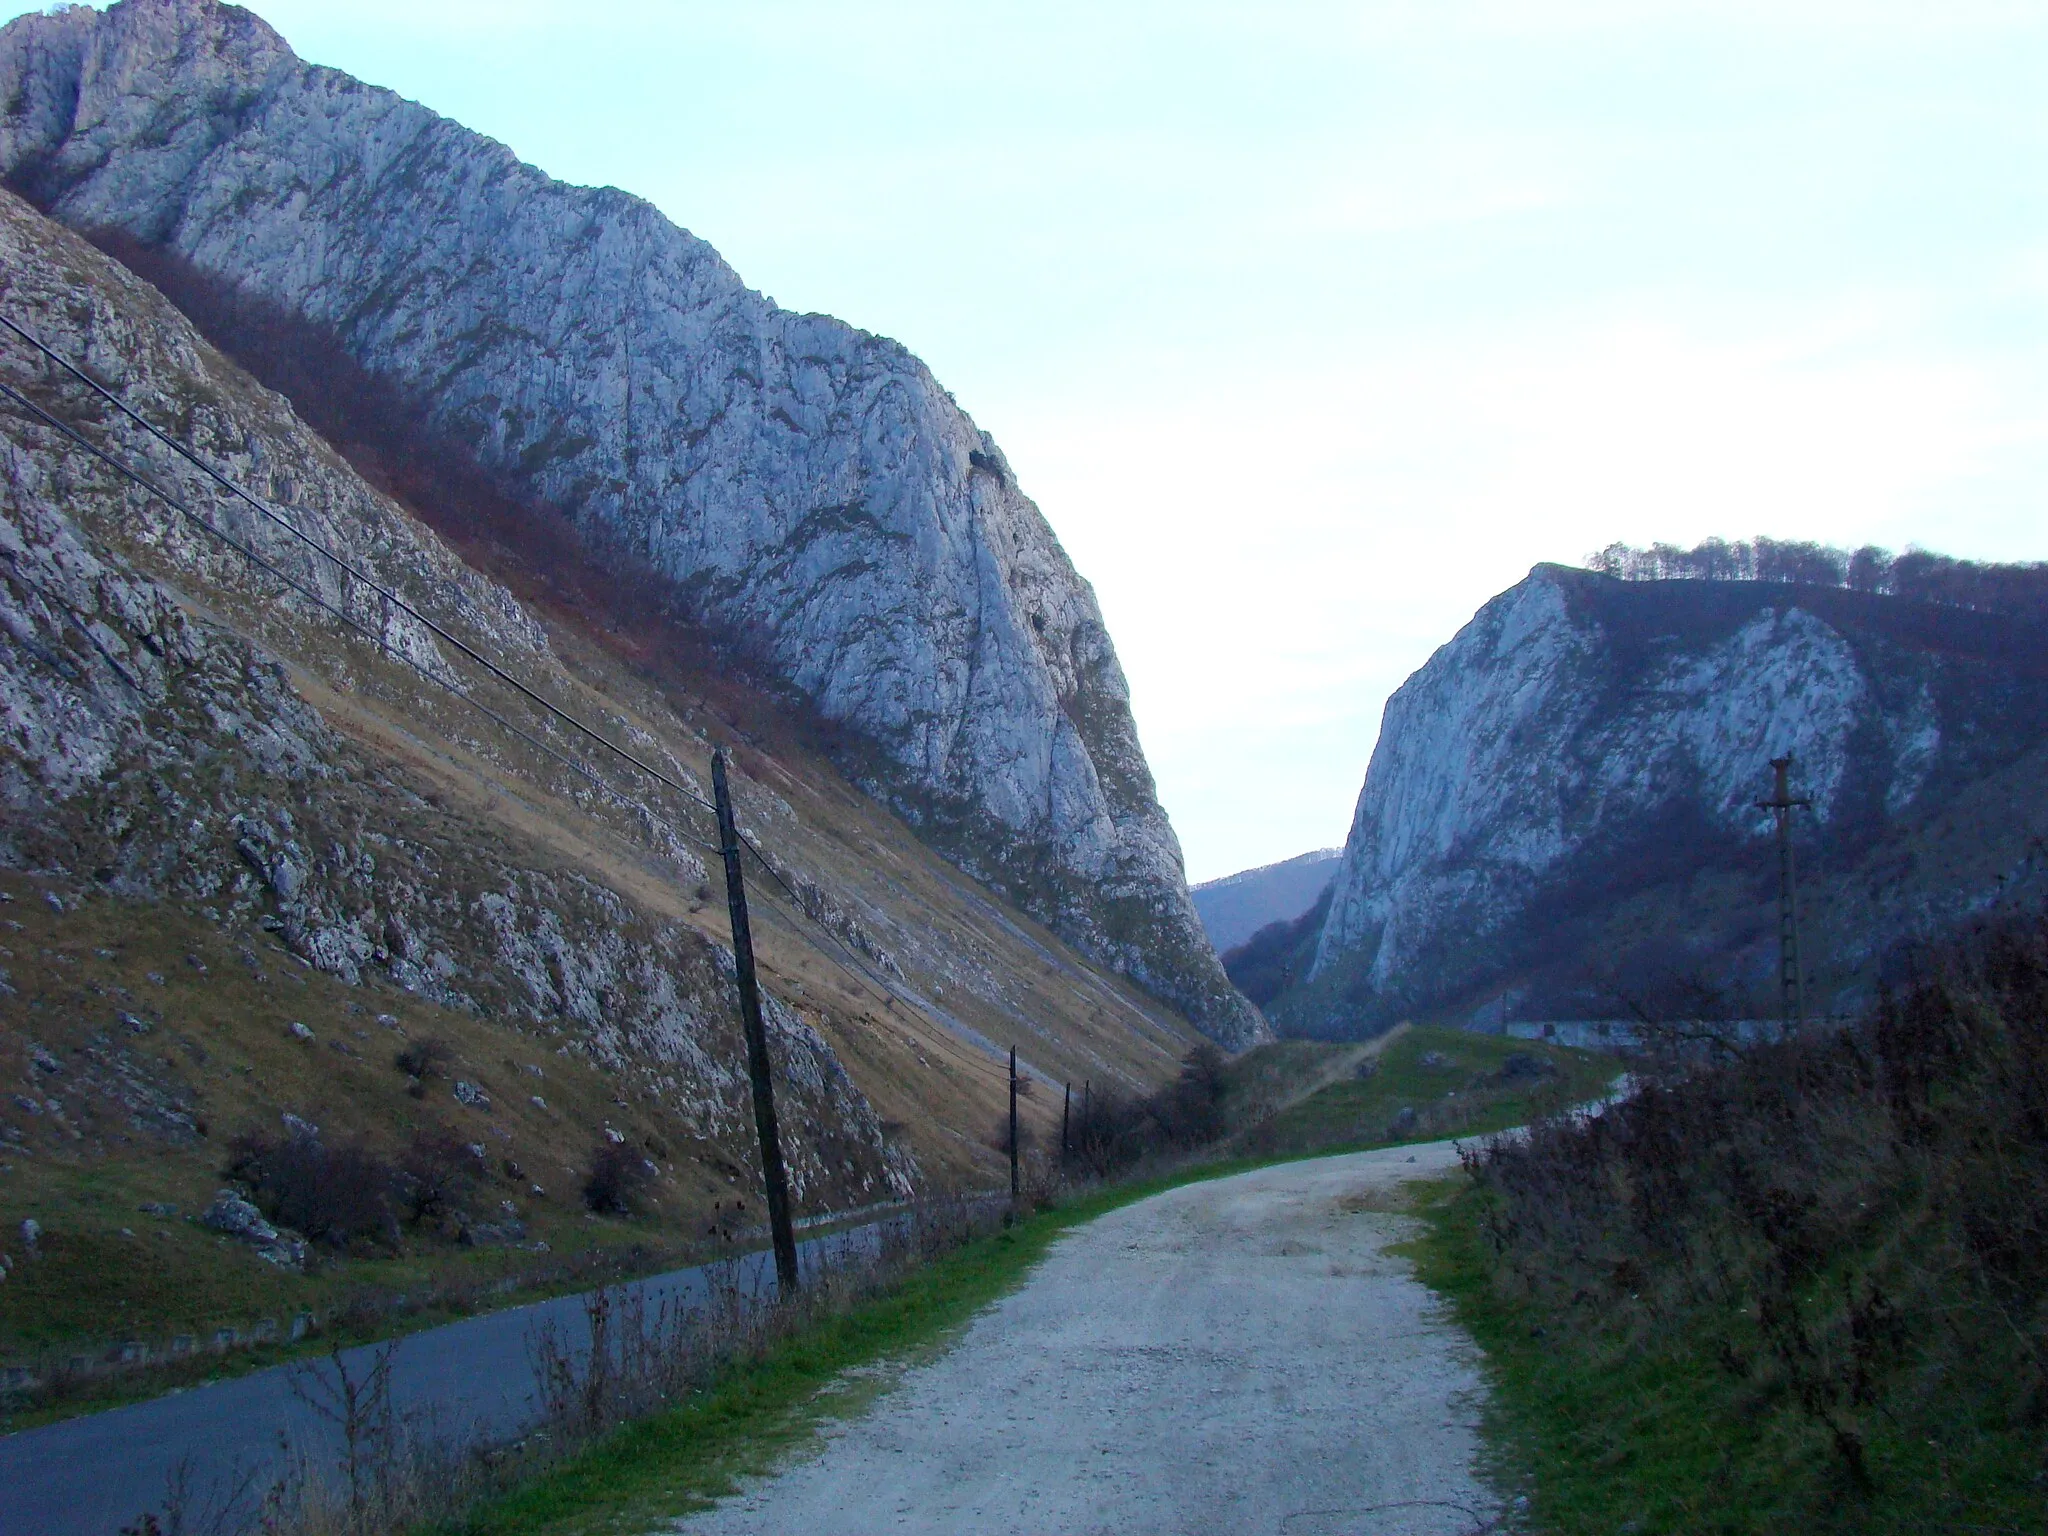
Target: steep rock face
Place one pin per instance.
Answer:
(149, 753)
(804, 485)
(1586, 743)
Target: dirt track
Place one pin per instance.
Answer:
(1237, 1357)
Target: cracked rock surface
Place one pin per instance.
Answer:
(802, 484)
(1585, 740)
(162, 756)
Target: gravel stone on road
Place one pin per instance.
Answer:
(1237, 1357)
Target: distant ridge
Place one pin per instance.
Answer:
(1559, 820)
(1237, 906)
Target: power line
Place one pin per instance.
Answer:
(858, 968)
(887, 992)
(143, 481)
(364, 577)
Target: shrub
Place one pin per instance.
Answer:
(619, 1179)
(999, 1137)
(331, 1194)
(1190, 1109)
(425, 1058)
(1110, 1130)
(437, 1173)
(1853, 1224)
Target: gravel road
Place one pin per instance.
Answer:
(1236, 1357)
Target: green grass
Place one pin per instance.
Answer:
(1607, 1429)
(1452, 1080)
(681, 1460)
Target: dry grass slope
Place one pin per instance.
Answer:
(947, 973)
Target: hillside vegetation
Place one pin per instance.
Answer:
(1919, 574)
(1412, 1084)
(1805, 1289)
(231, 810)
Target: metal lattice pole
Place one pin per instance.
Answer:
(1791, 981)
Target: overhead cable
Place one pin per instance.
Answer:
(390, 596)
(127, 472)
(858, 968)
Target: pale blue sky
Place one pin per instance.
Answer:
(1311, 326)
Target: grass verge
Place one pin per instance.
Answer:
(1426, 1084)
(681, 1459)
(1621, 1431)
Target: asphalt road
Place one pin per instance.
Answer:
(1236, 1358)
(91, 1476)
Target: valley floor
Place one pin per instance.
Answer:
(1242, 1355)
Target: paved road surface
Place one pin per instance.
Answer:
(1240, 1357)
(91, 1476)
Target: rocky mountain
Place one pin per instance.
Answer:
(264, 835)
(801, 489)
(1237, 906)
(1559, 818)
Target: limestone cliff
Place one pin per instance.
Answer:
(806, 488)
(150, 754)
(1559, 815)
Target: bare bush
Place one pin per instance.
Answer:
(1109, 1130)
(437, 1174)
(998, 1139)
(428, 1057)
(620, 1176)
(1856, 1221)
(334, 1194)
(1190, 1110)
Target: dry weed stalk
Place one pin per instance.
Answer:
(1858, 1220)
(640, 1348)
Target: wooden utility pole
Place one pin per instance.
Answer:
(1066, 1119)
(1016, 1184)
(772, 1172)
(1791, 984)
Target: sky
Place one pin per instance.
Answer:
(1310, 327)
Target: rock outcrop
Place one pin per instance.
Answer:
(149, 752)
(1560, 812)
(804, 487)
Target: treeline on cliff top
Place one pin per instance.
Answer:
(1918, 574)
